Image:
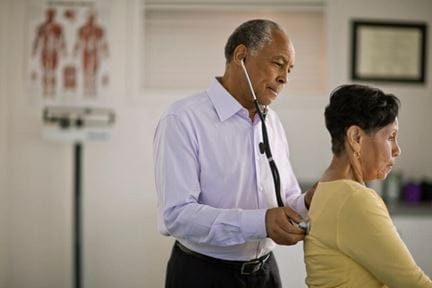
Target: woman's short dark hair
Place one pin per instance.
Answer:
(369, 108)
(253, 34)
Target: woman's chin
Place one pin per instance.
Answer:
(382, 175)
(379, 176)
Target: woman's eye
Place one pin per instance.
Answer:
(278, 64)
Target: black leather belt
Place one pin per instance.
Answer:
(244, 267)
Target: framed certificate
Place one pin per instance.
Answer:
(388, 51)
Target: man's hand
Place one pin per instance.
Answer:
(280, 228)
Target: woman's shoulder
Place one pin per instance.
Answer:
(350, 192)
(362, 200)
(345, 186)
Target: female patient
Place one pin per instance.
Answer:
(352, 241)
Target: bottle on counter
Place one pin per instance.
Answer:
(412, 192)
(392, 189)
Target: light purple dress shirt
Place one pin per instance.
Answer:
(213, 184)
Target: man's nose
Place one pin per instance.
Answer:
(282, 78)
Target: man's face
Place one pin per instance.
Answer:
(268, 67)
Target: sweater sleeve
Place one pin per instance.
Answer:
(366, 233)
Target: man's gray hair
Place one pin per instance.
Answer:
(253, 34)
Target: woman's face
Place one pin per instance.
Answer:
(378, 152)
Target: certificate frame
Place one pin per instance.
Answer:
(389, 51)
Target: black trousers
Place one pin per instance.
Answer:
(188, 271)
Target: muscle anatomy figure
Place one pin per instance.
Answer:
(92, 45)
(50, 41)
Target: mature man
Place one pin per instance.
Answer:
(215, 187)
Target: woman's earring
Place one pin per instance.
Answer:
(356, 154)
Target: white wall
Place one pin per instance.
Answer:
(4, 257)
(415, 122)
(304, 120)
(38, 177)
(122, 246)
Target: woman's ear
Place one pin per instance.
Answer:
(354, 137)
(240, 53)
(353, 145)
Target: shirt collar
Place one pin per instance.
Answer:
(225, 104)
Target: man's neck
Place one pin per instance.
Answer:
(235, 92)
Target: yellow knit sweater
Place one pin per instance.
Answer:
(353, 242)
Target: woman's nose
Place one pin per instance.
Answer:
(396, 150)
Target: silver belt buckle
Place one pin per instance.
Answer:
(256, 266)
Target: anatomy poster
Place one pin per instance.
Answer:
(69, 51)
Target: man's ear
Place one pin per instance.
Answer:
(354, 137)
(240, 53)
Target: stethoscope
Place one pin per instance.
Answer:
(265, 148)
